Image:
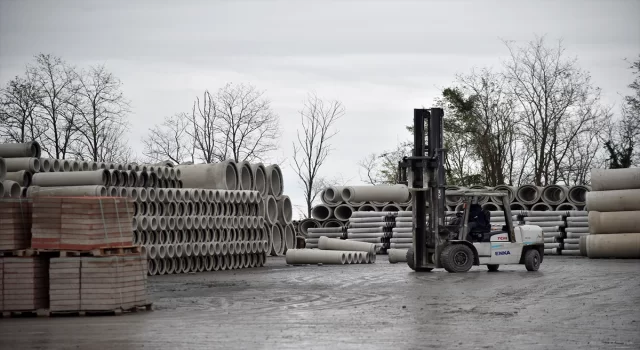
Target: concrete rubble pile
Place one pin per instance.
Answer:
(614, 215)
(334, 251)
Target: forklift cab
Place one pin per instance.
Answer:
(474, 224)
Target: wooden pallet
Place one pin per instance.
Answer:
(65, 253)
(48, 313)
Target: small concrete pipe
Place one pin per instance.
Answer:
(31, 165)
(622, 245)
(45, 165)
(528, 194)
(306, 224)
(614, 222)
(275, 182)
(382, 193)
(82, 178)
(322, 212)
(554, 194)
(20, 150)
(221, 175)
(613, 179)
(545, 223)
(614, 200)
(314, 256)
(397, 255)
(22, 177)
(337, 244)
(68, 191)
(333, 194)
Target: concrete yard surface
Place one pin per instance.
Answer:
(571, 303)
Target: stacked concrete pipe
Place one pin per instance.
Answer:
(614, 214)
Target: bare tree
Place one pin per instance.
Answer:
(203, 128)
(313, 144)
(170, 141)
(369, 165)
(102, 111)
(19, 120)
(57, 82)
(249, 127)
(557, 102)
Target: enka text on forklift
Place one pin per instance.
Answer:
(466, 240)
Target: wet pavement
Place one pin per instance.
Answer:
(571, 303)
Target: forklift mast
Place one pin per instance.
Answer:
(427, 180)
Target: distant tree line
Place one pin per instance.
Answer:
(537, 119)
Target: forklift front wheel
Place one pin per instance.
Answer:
(532, 260)
(457, 258)
(411, 262)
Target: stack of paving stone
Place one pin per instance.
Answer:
(15, 223)
(24, 283)
(81, 223)
(94, 284)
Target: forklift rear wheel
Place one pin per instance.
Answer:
(457, 258)
(532, 260)
(492, 267)
(411, 262)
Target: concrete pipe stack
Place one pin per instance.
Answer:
(577, 227)
(402, 231)
(373, 227)
(614, 214)
(341, 202)
(552, 224)
(17, 162)
(334, 251)
(537, 198)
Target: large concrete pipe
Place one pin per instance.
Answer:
(23, 178)
(260, 179)
(528, 194)
(71, 191)
(338, 244)
(623, 245)
(289, 237)
(510, 190)
(614, 222)
(554, 194)
(245, 176)
(518, 206)
(322, 212)
(271, 209)
(331, 223)
(277, 240)
(391, 207)
(343, 212)
(613, 179)
(11, 189)
(481, 199)
(81, 178)
(453, 199)
(566, 207)
(221, 175)
(31, 165)
(578, 195)
(614, 200)
(275, 182)
(368, 207)
(383, 193)
(20, 150)
(307, 224)
(315, 256)
(285, 211)
(541, 207)
(490, 206)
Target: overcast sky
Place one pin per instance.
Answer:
(380, 58)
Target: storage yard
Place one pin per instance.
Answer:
(194, 255)
(571, 303)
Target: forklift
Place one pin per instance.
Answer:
(466, 240)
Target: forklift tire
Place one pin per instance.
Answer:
(492, 267)
(532, 260)
(411, 262)
(457, 258)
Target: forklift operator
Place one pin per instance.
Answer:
(479, 223)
